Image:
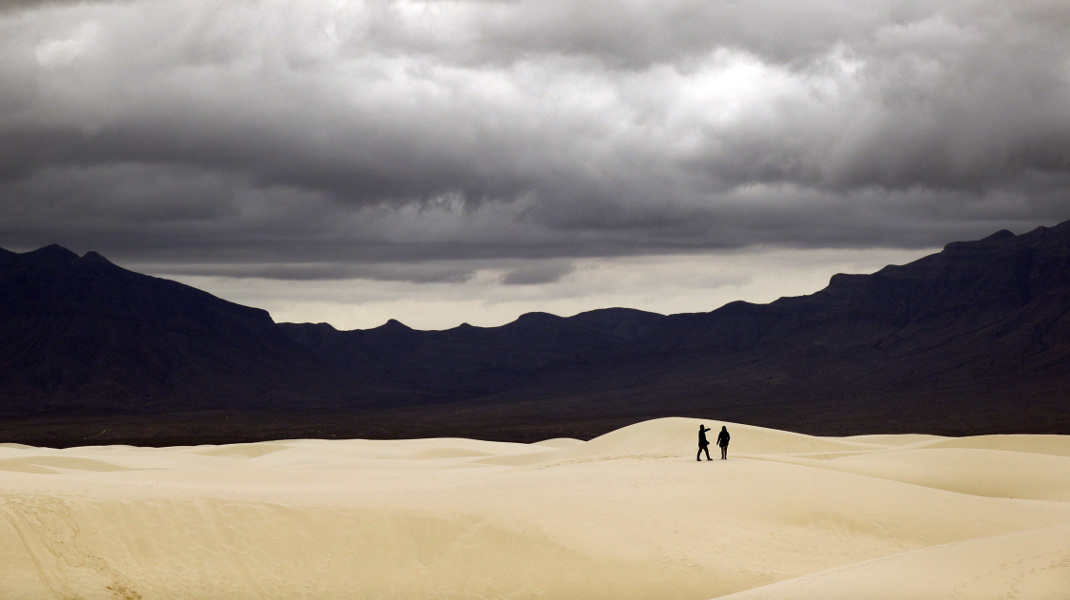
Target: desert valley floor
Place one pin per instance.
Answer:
(627, 515)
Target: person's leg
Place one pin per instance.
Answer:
(699, 455)
(724, 452)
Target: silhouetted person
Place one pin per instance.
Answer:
(722, 441)
(703, 443)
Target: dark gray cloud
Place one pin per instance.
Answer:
(422, 273)
(335, 140)
(538, 274)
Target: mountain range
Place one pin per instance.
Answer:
(973, 339)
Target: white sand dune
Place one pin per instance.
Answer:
(628, 515)
(1022, 564)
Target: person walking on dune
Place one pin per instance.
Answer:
(722, 441)
(703, 443)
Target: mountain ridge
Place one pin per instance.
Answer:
(985, 323)
(81, 333)
(974, 338)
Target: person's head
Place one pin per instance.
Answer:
(724, 428)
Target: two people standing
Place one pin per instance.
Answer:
(704, 444)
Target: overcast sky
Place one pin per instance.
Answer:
(468, 161)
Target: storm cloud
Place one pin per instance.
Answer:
(344, 138)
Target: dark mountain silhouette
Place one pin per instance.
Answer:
(81, 335)
(467, 360)
(973, 339)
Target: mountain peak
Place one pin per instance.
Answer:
(95, 258)
(394, 325)
(537, 317)
(52, 252)
(1002, 234)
